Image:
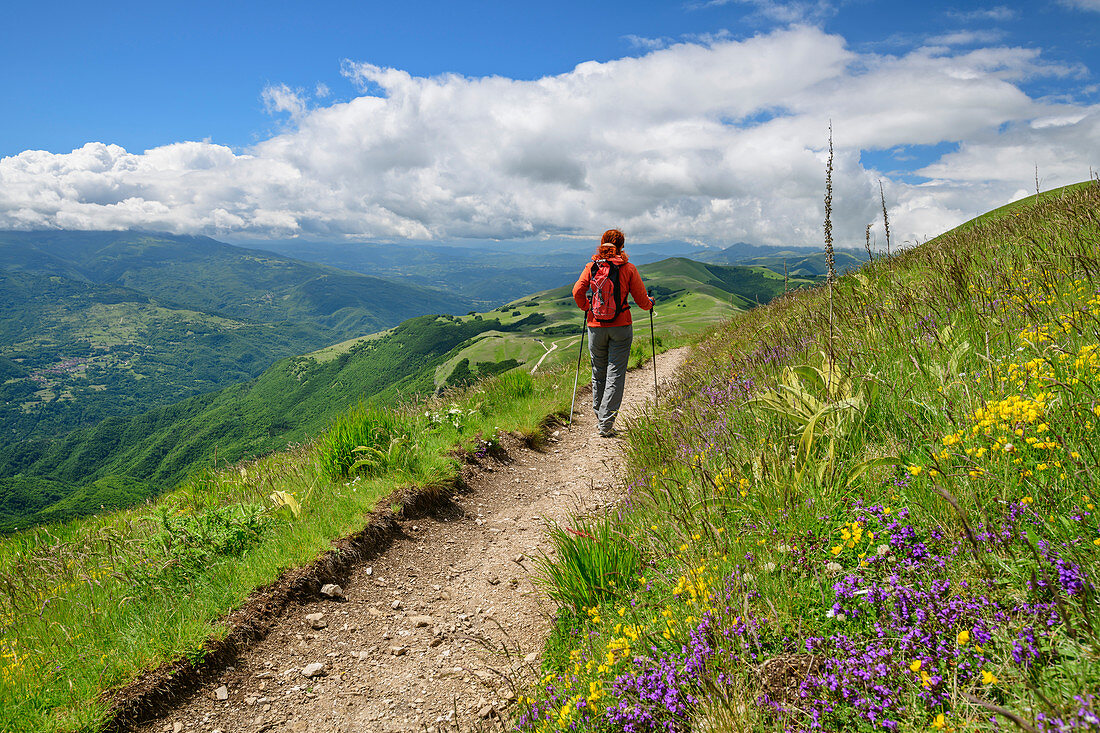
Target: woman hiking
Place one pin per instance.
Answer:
(601, 291)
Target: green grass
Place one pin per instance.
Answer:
(88, 605)
(907, 490)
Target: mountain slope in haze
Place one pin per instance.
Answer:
(210, 276)
(490, 274)
(297, 397)
(115, 323)
(806, 262)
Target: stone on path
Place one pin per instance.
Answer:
(331, 590)
(316, 669)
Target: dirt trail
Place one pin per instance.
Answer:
(417, 644)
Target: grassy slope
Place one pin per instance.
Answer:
(290, 402)
(157, 577)
(135, 352)
(908, 542)
(690, 297)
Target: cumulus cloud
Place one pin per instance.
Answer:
(717, 141)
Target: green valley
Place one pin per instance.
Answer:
(108, 324)
(293, 400)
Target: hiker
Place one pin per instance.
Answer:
(602, 291)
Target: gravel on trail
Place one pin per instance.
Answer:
(443, 628)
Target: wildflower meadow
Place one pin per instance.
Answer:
(869, 506)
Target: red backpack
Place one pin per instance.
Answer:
(606, 299)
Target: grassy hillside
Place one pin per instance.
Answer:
(878, 519)
(690, 296)
(213, 277)
(290, 402)
(112, 324)
(293, 400)
(77, 353)
(91, 604)
(801, 262)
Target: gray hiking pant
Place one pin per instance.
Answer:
(610, 349)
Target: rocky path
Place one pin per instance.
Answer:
(438, 631)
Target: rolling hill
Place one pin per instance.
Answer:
(803, 262)
(102, 324)
(119, 459)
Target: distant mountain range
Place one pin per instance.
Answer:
(795, 262)
(494, 273)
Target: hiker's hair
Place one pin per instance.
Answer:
(613, 236)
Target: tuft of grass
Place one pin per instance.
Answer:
(592, 563)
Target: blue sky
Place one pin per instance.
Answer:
(261, 81)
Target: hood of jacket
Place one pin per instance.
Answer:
(619, 259)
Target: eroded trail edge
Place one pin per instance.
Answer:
(441, 624)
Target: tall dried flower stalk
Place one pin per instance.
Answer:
(885, 216)
(829, 262)
(867, 244)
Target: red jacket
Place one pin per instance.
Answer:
(629, 282)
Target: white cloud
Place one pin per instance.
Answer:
(783, 12)
(279, 98)
(1090, 5)
(966, 38)
(998, 13)
(648, 44)
(718, 141)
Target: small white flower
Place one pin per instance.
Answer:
(882, 550)
(784, 548)
(748, 578)
(841, 617)
(833, 568)
(1008, 448)
(770, 567)
(830, 613)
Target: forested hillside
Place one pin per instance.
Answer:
(109, 324)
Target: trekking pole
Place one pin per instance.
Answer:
(577, 378)
(653, 346)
